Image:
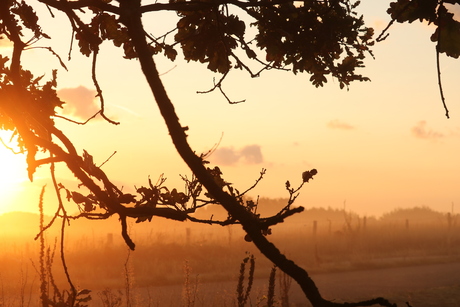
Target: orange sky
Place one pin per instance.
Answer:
(379, 146)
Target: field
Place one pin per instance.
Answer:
(180, 264)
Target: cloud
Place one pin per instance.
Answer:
(80, 102)
(250, 154)
(337, 124)
(225, 156)
(422, 132)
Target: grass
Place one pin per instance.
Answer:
(97, 260)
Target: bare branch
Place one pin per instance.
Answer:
(107, 159)
(262, 173)
(219, 86)
(98, 88)
(53, 52)
(438, 68)
(76, 122)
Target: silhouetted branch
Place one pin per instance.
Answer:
(218, 85)
(383, 35)
(54, 53)
(10, 148)
(156, 200)
(262, 173)
(98, 88)
(124, 232)
(64, 221)
(107, 159)
(76, 122)
(438, 68)
(279, 217)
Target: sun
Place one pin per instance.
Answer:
(13, 173)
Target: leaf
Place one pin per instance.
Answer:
(307, 175)
(28, 17)
(84, 45)
(411, 10)
(170, 52)
(208, 37)
(447, 34)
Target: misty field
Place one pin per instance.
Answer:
(180, 264)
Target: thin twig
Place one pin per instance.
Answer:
(53, 52)
(438, 66)
(98, 88)
(9, 148)
(383, 35)
(76, 122)
(64, 220)
(441, 92)
(107, 159)
(261, 176)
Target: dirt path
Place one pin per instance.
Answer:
(341, 286)
(379, 282)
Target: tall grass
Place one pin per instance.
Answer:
(242, 294)
(190, 287)
(98, 261)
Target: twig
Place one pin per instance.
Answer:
(383, 35)
(76, 122)
(107, 159)
(262, 173)
(438, 66)
(9, 148)
(219, 86)
(98, 88)
(53, 52)
(124, 232)
(441, 92)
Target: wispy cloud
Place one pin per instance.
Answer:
(80, 102)
(337, 124)
(125, 110)
(421, 131)
(250, 154)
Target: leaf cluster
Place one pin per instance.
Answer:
(436, 12)
(322, 38)
(209, 35)
(25, 18)
(37, 99)
(318, 37)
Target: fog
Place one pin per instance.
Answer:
(177, 261)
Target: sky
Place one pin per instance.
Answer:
(378, 146)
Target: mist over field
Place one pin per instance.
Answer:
(175, 262)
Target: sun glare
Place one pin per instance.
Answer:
(13, 172)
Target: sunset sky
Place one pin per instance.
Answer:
(381, 145)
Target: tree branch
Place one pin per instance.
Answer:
(131, 17)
